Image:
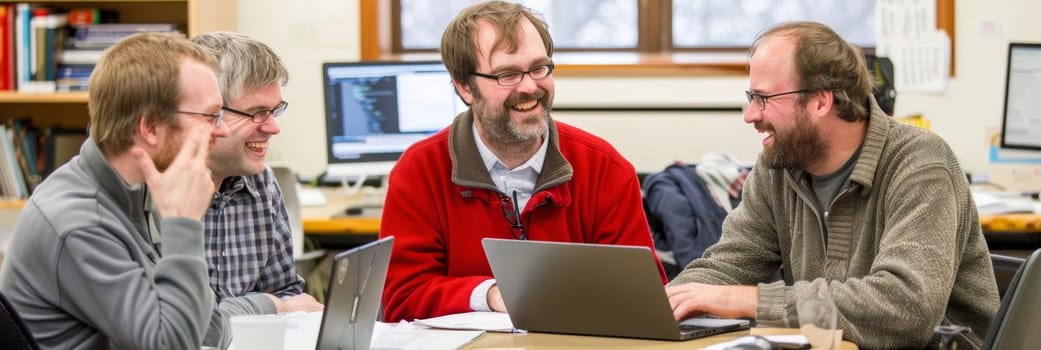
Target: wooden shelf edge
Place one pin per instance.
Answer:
(12, 203)
(58, 97)
(81, 1)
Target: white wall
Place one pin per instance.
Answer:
(306, 37)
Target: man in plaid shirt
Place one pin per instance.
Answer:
(249, 247)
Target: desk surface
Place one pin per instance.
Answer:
(330, 219)
(545, 341)
(302, 333)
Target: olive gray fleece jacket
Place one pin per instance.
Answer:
(904, 249)
(83, 273)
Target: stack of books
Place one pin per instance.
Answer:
(86, 43)
(45, 49)
(28, 154)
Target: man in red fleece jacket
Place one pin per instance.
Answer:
(503, 169)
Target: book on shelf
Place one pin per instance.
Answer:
(39, 37)
(92, 15)
(21, 44)
(26, 144)
(79, 56)
(29, 154)
(13, 182)
(73, 77)
(7, 47)
(112, 32)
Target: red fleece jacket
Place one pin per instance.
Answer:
(439, 210)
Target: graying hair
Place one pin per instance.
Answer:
(246, 64)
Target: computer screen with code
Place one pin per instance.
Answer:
(375, 110)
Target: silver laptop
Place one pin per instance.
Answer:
(591, 289)
(353, 298)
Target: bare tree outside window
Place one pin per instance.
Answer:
(735, 23)
(573, 23)
(614, 24)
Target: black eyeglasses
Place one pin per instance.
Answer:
(511, 211)
(514, 78)
(261, 116)
(760, 99)
(216, 116)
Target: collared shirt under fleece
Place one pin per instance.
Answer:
(518, 182)
(249, 245)
(83, 272)
(904, 250)
(441, 202)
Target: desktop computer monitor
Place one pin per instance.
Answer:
(375, 110)
(1021, 123)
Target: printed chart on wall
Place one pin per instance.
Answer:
(906, 33)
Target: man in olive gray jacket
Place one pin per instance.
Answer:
(876, 216)
(107, 253)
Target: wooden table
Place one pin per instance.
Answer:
(546, 341)
(331, 226)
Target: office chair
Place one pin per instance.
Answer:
(305, 261)
(1005, 268)
(14, 334)
(1015, 325)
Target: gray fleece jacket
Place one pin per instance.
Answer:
(84, 272)
(904, 249)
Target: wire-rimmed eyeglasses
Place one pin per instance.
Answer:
(217, 117)
(514, 78)
(261, 116)
(511, 211)
(760, 99)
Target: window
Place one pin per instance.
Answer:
(734, 24)
(610, 24)
(631, 33)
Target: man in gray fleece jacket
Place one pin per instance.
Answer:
(843, 199)
(108, 251)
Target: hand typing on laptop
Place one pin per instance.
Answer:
(692, 299)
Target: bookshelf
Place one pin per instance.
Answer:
(195, 16)
(69, 109)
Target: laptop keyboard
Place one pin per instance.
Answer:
(691, 329)
(708, 325)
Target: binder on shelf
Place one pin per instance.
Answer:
(59, 146)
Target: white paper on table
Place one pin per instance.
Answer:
(478, 320)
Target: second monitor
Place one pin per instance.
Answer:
(375, 110)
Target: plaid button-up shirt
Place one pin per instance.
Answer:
(249, 244)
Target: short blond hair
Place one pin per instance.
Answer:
(136, 78)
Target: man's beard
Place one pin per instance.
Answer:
(170, 148)
(795, 148)
(496, 122)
